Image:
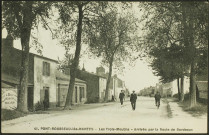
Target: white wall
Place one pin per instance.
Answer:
(186, 85)
(65, 90)
(41, 81)
(102, 87)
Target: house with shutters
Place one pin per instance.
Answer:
(44, 81)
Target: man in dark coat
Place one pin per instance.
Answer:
(121, 97)
(133, 100)
(157, 98)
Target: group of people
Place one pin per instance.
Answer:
(133, 99)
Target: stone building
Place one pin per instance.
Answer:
(96, 85)
(42, 80)
(62, 83)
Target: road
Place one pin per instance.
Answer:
(112, 118)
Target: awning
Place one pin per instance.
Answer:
(4, 85)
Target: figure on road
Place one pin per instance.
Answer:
(121, 97)
(157, 99)
(133, 100)
(113, 98)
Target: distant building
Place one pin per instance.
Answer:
(149, 91)
(100, 71)
(115, 86)
(166, 90)
(96, 85)
(202, 85)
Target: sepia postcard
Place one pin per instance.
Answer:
(130, 67)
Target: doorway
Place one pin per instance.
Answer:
(76, 95)
(81, 91)
(46, 96)
(30, 98)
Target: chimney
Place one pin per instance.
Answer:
(100, 71)
(83, 69)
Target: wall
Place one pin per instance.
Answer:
(62, 90)
(92, 82)
(102, 88)
(11, 61)
(116, 89)
(167, 90)
(41, 81)
(186, 85)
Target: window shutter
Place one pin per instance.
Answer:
(48, 69)
(43, 68)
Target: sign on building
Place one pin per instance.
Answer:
(9, 98)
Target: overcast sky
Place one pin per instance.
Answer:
(136, 78)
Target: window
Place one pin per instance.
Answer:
(46, 69)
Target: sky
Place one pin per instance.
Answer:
(136, 78)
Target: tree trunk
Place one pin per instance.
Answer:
(108, 80)
(192, 89)
(192, 55)
(188, 36)
(182, 89)
(75, 62)
(22, 103)
(178, 89)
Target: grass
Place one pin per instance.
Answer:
(7, 114)
(11, 114)
(198, 110)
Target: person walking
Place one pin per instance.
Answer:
(157, 99)
(121, 97)
(133, 100)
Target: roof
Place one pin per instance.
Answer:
(11, 80)
(61, 76)
(9, 38)
(93, 74)
(44, 57)
(202, 85)
(4, 85)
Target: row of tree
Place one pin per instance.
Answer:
(97, 24)
(176, 41)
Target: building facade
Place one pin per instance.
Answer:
(62, 83)
(96, 85)
(42, 77)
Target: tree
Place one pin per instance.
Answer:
(168, 65)
(87, 12)
(181, 23)
(113, 38)
(19, 18)
(195, 27)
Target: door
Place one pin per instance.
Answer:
(46, 96)
(30, 98)
(76, 95)
(81, 93)
(59, 95)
